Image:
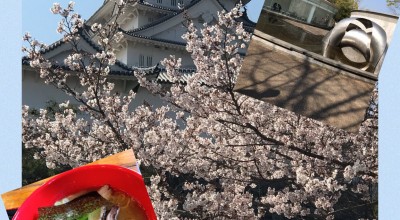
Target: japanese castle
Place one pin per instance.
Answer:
(152, 31)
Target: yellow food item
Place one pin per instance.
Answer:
(129, 209)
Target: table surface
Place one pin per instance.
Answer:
(14, 199)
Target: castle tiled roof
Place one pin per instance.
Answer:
(132, 34)
(247, 23)
(126, 70)
(165, 18)
(162, 76)
(160, 73)
(157, 6)
(141, 3)
(26, 62)
(99, 49)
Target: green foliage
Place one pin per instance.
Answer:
(344, 8)
(34, 170)
(393, 3)
(52, 107)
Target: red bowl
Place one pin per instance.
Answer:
(90, 177)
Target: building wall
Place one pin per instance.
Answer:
(131, 24)
(141, 18)
(146, 18)
(322, 17)
(157, 53)
(36, 94)
(144, 95)
(324, 5)
(268, 3)
(300, 9)
(173, 34)
(228, 4)
(285, 4)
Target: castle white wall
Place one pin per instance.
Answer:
(130, 24)
(139, 18)
(174, 34)
(36, 94)
(122, 55)
(157, 53)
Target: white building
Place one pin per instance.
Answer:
(152, 31)
(317, 12)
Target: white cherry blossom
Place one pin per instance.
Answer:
(213, 153)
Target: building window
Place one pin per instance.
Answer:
(141, 61)
(149, 61)
(173, 2)
(159, 1)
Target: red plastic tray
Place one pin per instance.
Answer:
(90, 177)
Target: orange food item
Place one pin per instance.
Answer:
(129, 209)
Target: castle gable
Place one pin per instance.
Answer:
(59, 51)
(171, 27)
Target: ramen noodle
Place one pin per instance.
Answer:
(105, 204)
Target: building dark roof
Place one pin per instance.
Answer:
(165, 18)
(99, 49)
(157, 6)
(153, 38)
(53, 46)
(26, 62)
(248, 24)
(126, 69)
(164, 77)
(160, 73)
(140, 2)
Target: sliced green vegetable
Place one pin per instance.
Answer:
(77, 209)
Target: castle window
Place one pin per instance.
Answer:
(173, 2)
(159, 1)
(141, 61)
(149, 61)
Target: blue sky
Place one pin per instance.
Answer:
(43, 27)
(375, 5)
(34, 16)
(42, 23)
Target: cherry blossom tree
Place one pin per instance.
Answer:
(211, 153)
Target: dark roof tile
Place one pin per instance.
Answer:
(153, 38)
(157, 6)
(165, 18)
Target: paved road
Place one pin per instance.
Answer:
(302, 86)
